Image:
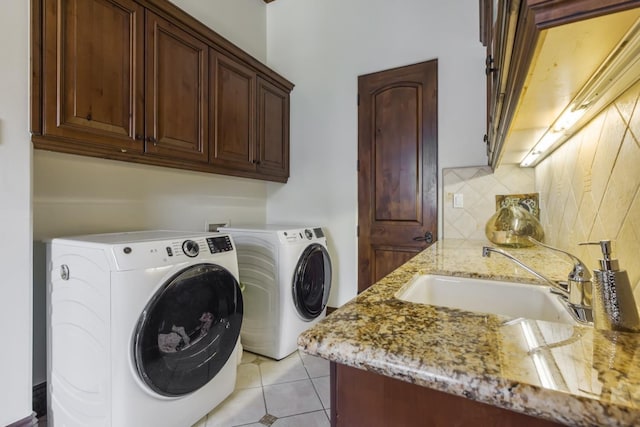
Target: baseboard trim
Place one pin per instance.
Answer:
(30, 421)
(39, 403)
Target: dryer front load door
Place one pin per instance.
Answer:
(312, 281)
(188, 330)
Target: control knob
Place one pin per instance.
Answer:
(190, 248)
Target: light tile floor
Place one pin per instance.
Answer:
(291, 392)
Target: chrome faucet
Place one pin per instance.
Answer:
(558, 287)
(579, 279)
(576, 291)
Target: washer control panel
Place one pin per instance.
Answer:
(194, 247)
(219, 244)
(155, 253)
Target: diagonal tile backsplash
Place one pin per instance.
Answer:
(479, 187)
(590, 187)
(589, 190)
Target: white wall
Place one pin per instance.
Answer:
(243, 22)
(323, 46)
(78, 195)
(15, 214)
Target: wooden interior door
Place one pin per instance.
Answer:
(177, 92)
(397, 167)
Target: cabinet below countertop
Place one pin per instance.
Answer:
(374, 400)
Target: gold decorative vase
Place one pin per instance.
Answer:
(511, 225)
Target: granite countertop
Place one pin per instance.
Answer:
(574, 375)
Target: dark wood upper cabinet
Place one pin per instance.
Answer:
(176, 124)
(250, 116)
(528, 83)
(142, 81)
(93, 74)
(233, 110)
(273, 129)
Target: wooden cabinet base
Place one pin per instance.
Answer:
(361, 398)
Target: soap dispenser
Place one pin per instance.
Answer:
(614, 307)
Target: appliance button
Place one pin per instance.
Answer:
(308, 233)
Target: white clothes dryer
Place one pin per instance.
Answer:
(286, 272)
(143, 327)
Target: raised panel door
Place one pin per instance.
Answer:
(232, 113)
(397, 174)
(273, 129)
(176, 92)
(93, 72)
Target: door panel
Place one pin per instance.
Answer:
(93, 71)
(398, 150)
(397, 158)
(273, 129)
(385, 260)
(177, 92)
(233, 110)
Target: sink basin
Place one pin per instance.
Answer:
(486, 296)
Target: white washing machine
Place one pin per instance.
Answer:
(143, 328)
(286, 272)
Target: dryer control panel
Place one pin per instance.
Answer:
(300, 235)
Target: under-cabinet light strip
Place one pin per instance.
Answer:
(624, 60)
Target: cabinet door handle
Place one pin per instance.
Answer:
(139, 137)
(488, 65)
(152, 140)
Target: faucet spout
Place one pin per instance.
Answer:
(556, 286)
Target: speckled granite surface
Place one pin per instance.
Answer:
(570, 374)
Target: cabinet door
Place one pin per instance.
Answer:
(273, 129)
(233, 113)
(93, 73)
(176, 107)
(504, 14)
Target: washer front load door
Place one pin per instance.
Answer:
(188, 330)
(312, 281)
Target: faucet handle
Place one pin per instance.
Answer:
(580, 272)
